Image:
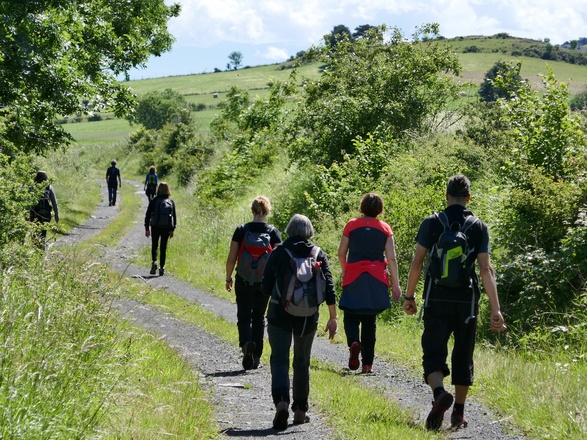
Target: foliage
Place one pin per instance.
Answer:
(537, 228)
(57, 54)
(155, 109)
(339, 33)
(59, 360)
(372, 87)
(579, 101)
(15, 198)
(176, 148)
(236, 58)
(253, 131)
(510, 83)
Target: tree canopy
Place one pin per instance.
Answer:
(59, 57)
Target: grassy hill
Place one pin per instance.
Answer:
(202, 88)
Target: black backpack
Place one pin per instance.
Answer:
(448, 264)
(43, 207)
(302, 289)
(162, 216)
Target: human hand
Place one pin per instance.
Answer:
(410, 307)
(147, 232)
(229, 284)
(497, 322)
(396, 292)
(332, 327)
(170, 234)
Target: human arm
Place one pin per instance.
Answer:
(393, 270)
(332, 324)
(488, 277)
(148, 217)
(343, 248)
(330, 294)
(231, 263)
(53, 200)
(119, 180)
(416, 268)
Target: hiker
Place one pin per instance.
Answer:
(366, 251)
(151, 182)
(451, 299)
(114, 182)
(283, 326)
(251, 245)
(42, 211)
(160, 224)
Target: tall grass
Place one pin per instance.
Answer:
(59, 363)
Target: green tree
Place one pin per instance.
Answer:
(155, 109)
(54, 54)
(236, 59)
(362, 31)
(339, 33)
(489, 92)
(383, 88)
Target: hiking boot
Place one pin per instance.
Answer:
(281, 416)
(439, 407)
(162, 271)
(300, 417)
(457, 419)
(354, 355)
(256, 362)
(248, 350)
(367, 369)
(153, 268)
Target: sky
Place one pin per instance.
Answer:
(271, 31)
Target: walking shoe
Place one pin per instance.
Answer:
(367, 369)
(354, 355)
(439, 407)
(300, 417)
(248, 350)
(153, 268)
(457, 419)
(162, 271)
(281, 416)
(256, 362)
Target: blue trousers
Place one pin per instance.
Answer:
(280, 340)
(112, 189)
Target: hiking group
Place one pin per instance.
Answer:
(285, 282)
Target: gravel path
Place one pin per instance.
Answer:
(243, 399)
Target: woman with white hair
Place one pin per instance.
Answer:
(283, 327)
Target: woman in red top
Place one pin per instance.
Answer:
(366, 251)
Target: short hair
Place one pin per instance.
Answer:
(163, 189)
(152, 169)
(261, 206)
(300, 226)
(112, 162)
(458, 186)
(371, 205)
(41, 176)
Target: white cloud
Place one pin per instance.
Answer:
(275, 54)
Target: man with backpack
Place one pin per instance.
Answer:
(452, 240)
(250, 246)
(113, 181)
(46, 206)
(297, 279)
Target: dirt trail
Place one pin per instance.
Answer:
(243, 399)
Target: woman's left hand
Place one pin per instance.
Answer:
(332, 327)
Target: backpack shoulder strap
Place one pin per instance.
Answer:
(470, 221)
(443, 220)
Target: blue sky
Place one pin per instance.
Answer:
(270, 31)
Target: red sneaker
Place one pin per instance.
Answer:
(354, 355)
